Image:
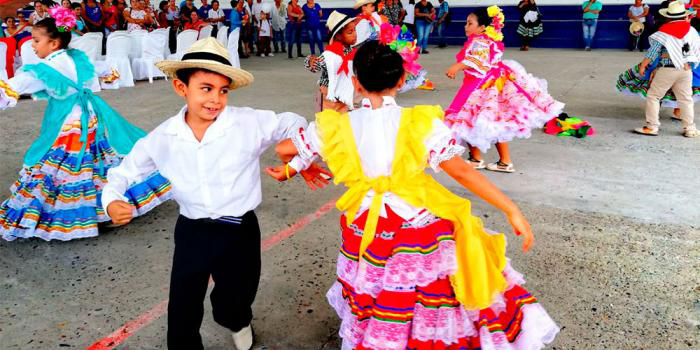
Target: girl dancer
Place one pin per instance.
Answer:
(498, 100)
(58, 193)
(432, 277)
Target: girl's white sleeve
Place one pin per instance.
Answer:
(441, 145)
(21, 84)
(308, 145)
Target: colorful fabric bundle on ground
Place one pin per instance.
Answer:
(563, 125)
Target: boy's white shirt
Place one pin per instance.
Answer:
(219, 176)
(340, 86)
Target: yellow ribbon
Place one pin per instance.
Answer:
(480, 256)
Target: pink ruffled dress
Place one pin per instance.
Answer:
(498, 100)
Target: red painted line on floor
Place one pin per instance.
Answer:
(130, 328)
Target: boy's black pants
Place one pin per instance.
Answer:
(229, 252)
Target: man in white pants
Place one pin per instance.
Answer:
(678, 45)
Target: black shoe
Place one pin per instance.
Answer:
(290, 56)
(301, 55)
(425, 52)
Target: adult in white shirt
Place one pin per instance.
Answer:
(409, 19)
(638, 13)
(39, 13)
(279, 24)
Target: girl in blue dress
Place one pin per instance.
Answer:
(58, 192)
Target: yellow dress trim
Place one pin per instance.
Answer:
(480, 256)
(8, 90)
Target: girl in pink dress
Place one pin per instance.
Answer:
(498, 100)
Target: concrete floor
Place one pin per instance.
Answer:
(616, 218)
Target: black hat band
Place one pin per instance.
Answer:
(206, 56)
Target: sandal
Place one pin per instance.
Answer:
(691, 133)
(501, 167)
(478, 164)
(647, 131)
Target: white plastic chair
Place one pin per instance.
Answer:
(222, 35)
(151, 51)
(166, 32)
(137, 37)
(118, 50)
(233, 47)
(205, 32)
(3, 61)
(90, 44)
(28, 54)
(184, 40)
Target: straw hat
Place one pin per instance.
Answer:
(360, 3)
(208, 54)
(336, 21)
(675, 10)
(636, 28)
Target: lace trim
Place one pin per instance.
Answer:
(447, 153)
(303, 147)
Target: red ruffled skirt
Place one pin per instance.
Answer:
(400, 296)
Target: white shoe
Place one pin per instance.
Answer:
(271, 54)
(243, 339)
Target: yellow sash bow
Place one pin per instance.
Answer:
(480, 256)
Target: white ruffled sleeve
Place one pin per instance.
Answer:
(477, 58)
(21, 84)
(308, 144)
(442, 145)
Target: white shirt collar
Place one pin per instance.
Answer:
(54, 54)
(179, 127)
(386, 102)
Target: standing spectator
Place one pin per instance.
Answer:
(39, 13)
(638, 13)
(203, 10)
(591, 11)
(443, 20)
(122, 24)
(186, 11)
(93, 16)
(137, 17)
(279, 23)
(425, 15)
(216, 17)
(296, 15)
(530, 26)
(313, 14)
(162, 14)
(238, 16)
(409, 19)
(253, 37)
(393, 11)
(109, 13)
(79, 28)
(694, 7)
(265, 33)
(172, 12)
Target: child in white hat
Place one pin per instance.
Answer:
(211, 154)
(335, 64)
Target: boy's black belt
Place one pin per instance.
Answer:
(235, 220)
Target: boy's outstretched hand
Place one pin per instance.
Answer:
(313, 175)
(120, 212)
(522, 228)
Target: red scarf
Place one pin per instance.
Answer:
(676, 29)
(369, 18)
(339, 49)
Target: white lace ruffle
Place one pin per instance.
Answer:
(449, 153)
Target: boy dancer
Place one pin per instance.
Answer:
(335, 64)
(210, 152)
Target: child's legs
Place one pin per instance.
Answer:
(474, 153)
(188, 285)
(503, 152)
(683, 89)
(236, 273)
(266, 46)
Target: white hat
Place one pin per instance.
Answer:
(208, 54)
(336, 21)
(636, 28)
(675, 10)
(360, 3)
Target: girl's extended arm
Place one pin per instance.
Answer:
(454, 69)
(478, 184)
